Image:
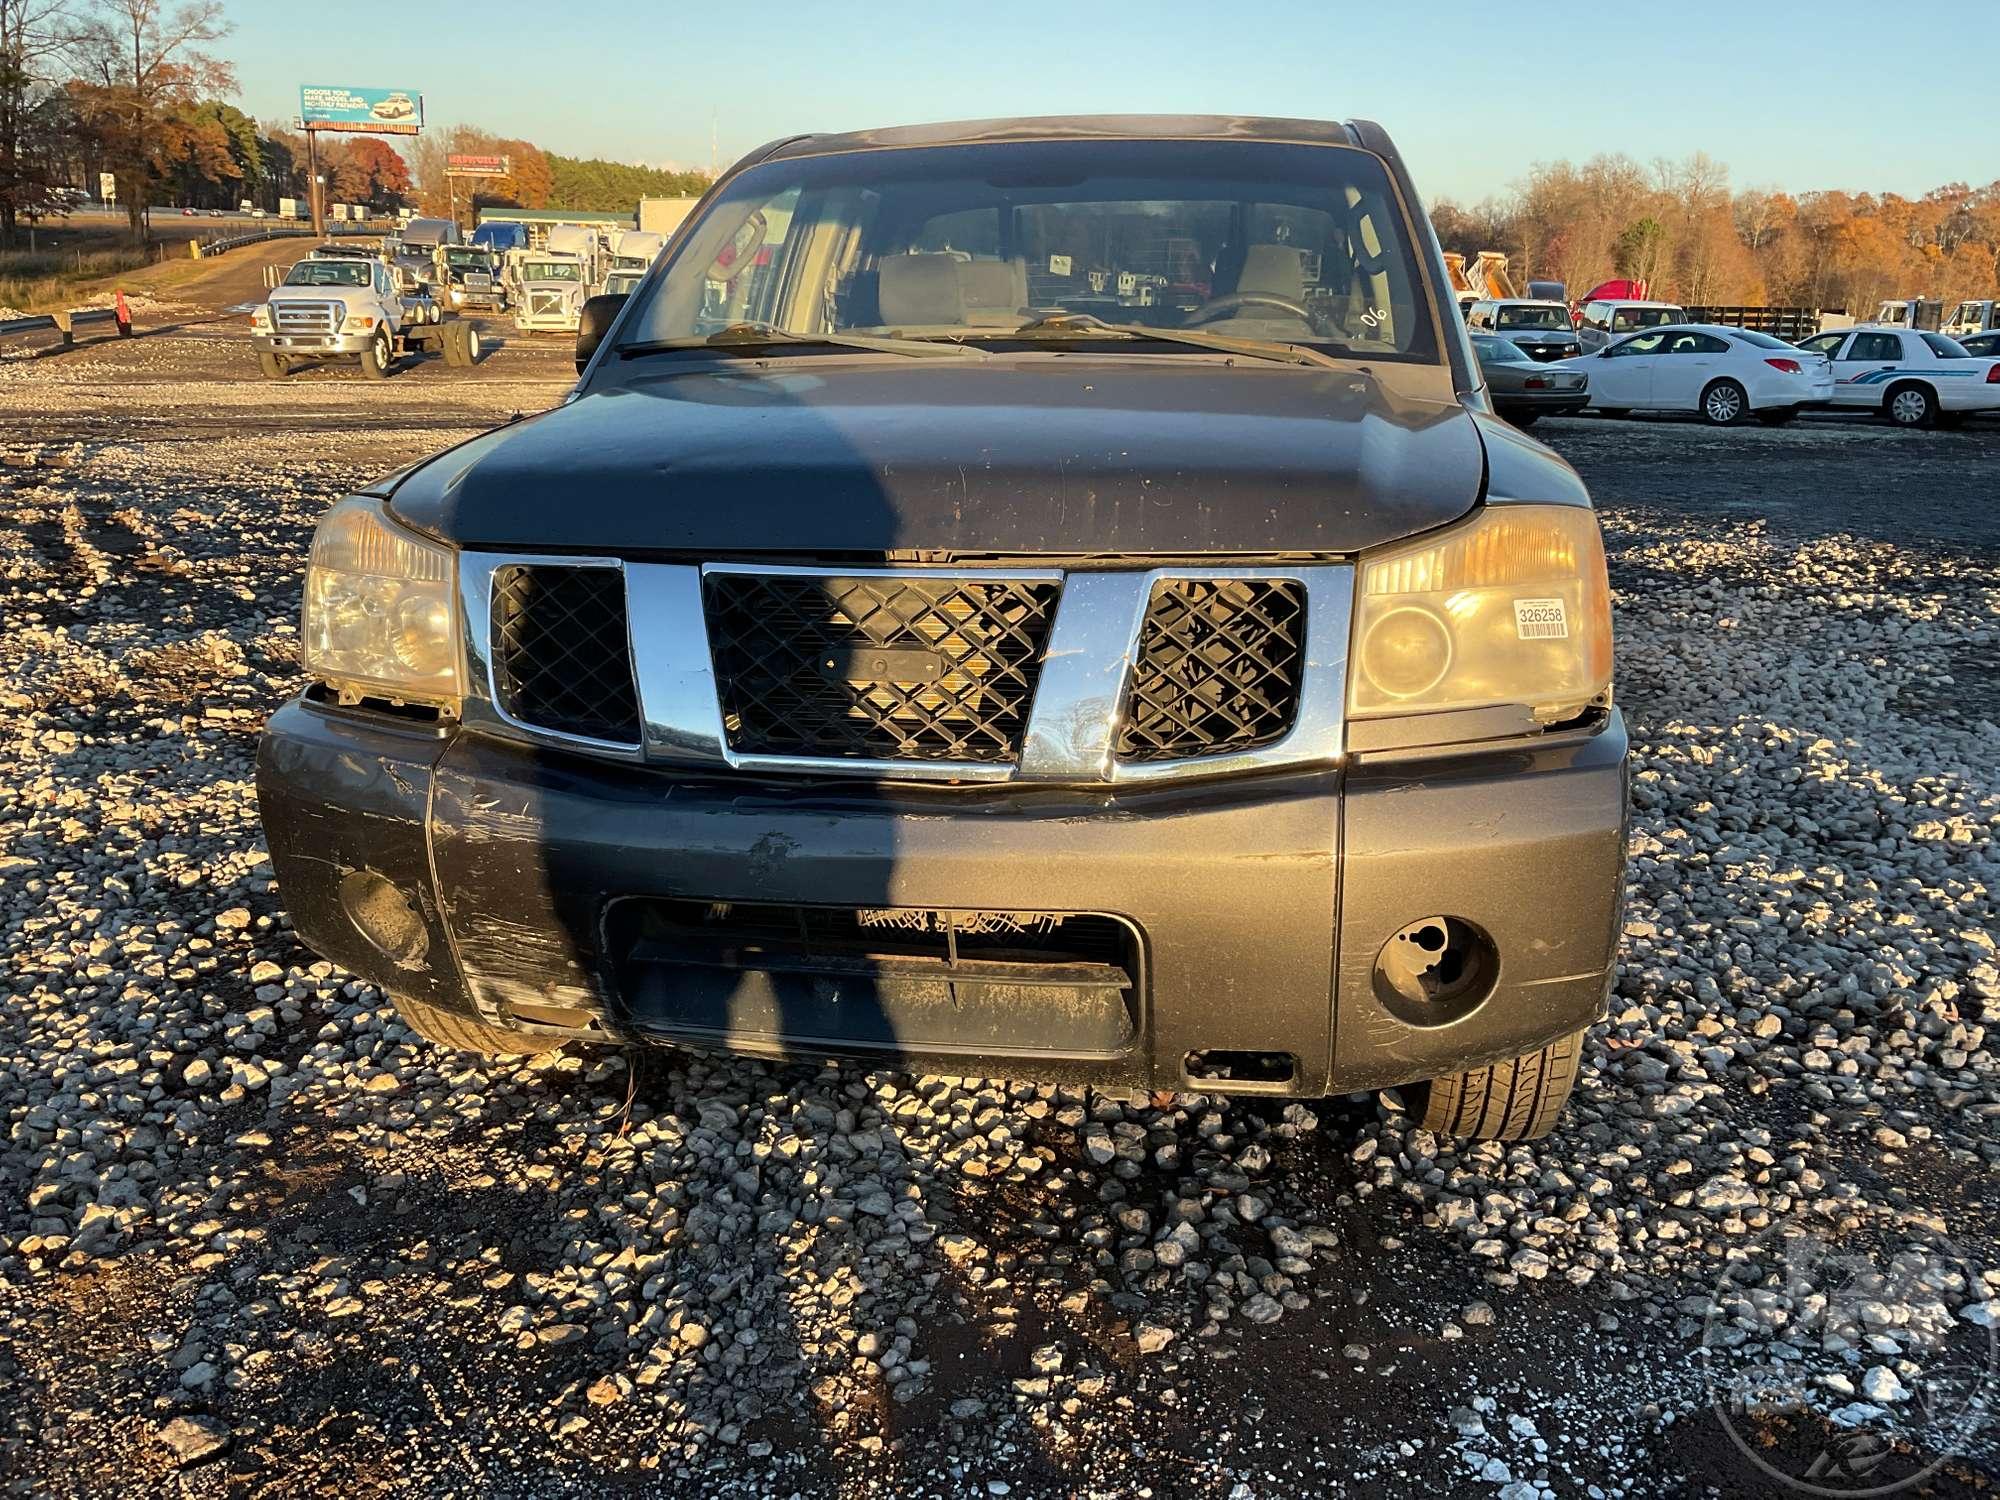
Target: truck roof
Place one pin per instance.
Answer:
(1082, 128)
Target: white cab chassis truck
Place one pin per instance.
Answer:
(351, 308)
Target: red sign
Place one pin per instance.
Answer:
(456, 165)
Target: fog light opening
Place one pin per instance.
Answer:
(385, 916)
(1436, 970)
(1240, 1069)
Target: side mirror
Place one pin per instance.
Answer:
(593, 322)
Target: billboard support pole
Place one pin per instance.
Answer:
(312, 180)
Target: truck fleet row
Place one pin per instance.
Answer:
(350, 300)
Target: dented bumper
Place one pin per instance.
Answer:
(1245, 916)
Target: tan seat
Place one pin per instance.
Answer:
(1275, 270)
(995, 292)
(920, 291)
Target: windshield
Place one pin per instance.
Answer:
(1628, 318)
(552, 270)
(328, 273)
(1552, 316)
(1305, 245)
(463, 257)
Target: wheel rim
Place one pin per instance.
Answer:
(381, 351)
(1908, 407)
(472, 344)
(1724, 404)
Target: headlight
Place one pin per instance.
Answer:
(381, 615)
(358, 320)
(260, 316)
(1509, 607)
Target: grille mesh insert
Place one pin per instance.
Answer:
(561, 656)
(878, 668)
(1218, 668)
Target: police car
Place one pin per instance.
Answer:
(1914, 378)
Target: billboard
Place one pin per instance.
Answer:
(368, 111)
(460, 165)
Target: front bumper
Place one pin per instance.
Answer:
(323, 345)
(1259, 904)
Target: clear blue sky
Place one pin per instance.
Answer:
(1757, 84)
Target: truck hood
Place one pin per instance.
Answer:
(1140, 455)
(347, 296)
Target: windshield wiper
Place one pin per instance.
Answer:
(761, 338)
(1085, 325)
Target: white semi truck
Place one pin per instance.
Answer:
(556, 279)
(636, 250)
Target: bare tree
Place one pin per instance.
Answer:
(33, 36)
(138, 64)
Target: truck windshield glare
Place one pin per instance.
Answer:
(1295, 244)
(328, 273)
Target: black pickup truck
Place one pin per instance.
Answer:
(1038, 598)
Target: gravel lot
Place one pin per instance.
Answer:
(256, 1237)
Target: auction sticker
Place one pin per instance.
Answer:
(1853, 1364)
(1540, 620)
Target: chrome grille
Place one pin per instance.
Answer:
(547, 304)
(1218, 668)
(306, 317)
(561, 655)
(877, 667)
(647, 664)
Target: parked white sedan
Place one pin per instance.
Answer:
(1914, 379)
(1722, 374)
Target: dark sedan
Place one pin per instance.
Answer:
(1986, 345)
(1523, 389)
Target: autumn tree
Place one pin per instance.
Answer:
(384, 175)
(140, 66)
(284, 154)
(527, 185)
(1679, 227)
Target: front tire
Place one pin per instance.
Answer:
(377, 357)
(1910, 406)
(448, 1028)
(1724, 404)
(1517, 1100)
(273, 366)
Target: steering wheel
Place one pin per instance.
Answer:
(1223, 307)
